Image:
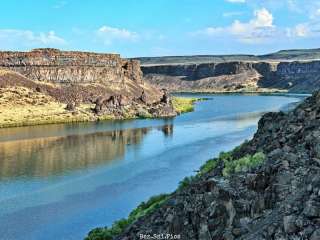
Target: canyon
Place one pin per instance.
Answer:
(266, 188)
(68, 86)
(293, 71)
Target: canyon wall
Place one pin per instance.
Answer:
(112, 86)
(297, 76)
(53, 65)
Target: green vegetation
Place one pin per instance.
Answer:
(183, 105)
(208, 166)
(242, 164)
(118, 227)
(186, 182)
(232, 165)
(143, 113)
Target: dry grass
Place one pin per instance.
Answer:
(21, 106)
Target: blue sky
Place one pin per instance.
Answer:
(161, 27)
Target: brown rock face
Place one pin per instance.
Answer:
(53, 65)
(113, 84)
(297, 76)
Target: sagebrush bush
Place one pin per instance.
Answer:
(242, 164)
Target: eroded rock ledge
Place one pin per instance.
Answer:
(278, 199)
(91, 86)
(53, 65)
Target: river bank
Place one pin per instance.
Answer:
(265, 188)
(21, 106)
(61, 180)
(135, 218)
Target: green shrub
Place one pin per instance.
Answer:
(147, 207)
(208, 166)
(186, 182)
(118, 227)
(242, 164)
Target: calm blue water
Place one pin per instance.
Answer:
(59, 181)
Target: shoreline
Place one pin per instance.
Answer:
(148, 207)
(181, 105)
(271, 91)
(226, 164)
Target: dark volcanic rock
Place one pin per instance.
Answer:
(279, 199)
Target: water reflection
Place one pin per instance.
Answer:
(167, 130)
(54, 155)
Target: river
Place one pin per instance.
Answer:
(59, 181)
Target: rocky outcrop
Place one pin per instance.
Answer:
(113, 85)
(199, 71)
(237, 75)
(53, 65)
(278, 199)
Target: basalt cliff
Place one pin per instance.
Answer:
(267, 188)
(72, 86)
(297, 76)
(291, 70)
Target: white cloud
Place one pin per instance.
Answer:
(258, 29)
(301, 30)
(315, 14)
(110, 34)
(27, 38)
(304, 30)
(236, 1)
(232, 14)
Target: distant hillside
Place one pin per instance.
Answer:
(283, 55)
(195, 59)
(294, 54)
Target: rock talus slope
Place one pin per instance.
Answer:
(278, 199)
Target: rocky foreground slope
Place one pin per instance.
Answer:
(49, 85)
(267, 188)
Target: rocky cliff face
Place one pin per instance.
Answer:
(236, 76)
(276, 198)
(112, 86)
(53, 65)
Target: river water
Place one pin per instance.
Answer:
(59, 181)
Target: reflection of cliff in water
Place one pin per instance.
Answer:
(54, 155)
(167, 130)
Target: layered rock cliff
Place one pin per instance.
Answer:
(268, 188)
(297, 76)
(113, 87)
(53, 65)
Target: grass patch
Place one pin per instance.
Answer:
(183, 105)
(118, 227)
